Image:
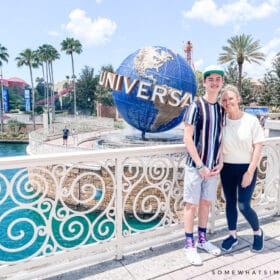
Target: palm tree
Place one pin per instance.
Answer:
(71, 46)
(53, 54)
(241, 48)
(3, 55)
(47, 54)
(30, 59)
(3, 58)
(42, 58)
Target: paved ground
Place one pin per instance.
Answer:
(169, 263)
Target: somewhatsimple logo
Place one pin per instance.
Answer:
(247, 272)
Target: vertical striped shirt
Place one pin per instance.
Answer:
(207, 120)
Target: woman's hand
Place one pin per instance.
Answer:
(246, 179)
(217, 169)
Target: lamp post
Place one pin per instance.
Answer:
(89, 105)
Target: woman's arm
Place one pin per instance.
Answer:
(248, 175)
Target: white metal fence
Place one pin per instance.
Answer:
(66, 210)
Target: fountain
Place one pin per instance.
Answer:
(130, 137)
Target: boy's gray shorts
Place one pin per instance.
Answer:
(196, 188)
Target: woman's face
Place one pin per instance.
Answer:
(230, 101)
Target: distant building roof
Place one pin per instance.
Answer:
(17, 81)
(14, 81)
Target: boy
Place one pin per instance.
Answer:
(202, 137)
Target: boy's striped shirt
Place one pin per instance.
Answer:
(207, 119)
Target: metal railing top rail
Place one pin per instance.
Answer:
(86, 155)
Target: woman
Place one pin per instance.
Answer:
(242, 145)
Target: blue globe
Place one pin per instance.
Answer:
(157, 81)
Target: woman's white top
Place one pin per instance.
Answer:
(239, 137)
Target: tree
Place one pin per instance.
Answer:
(271, 81)
(3, 58)
(3, 55)
(199, 85)
(30, 59)
(47, 54)
(15, 126)
(86, 86)
(231, 77)
(71, 46)
(248, 93)
(16, 98)
(241, 48)
(104, 95)
(231, 74)
(53, 55)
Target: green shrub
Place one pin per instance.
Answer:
(15, 126)
(14, 111)
(118, 124)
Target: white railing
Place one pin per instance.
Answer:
(67, 210)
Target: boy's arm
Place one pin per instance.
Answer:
(192, 150)
(188, 140)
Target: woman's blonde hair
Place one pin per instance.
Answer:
(231, 88)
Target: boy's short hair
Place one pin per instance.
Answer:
(213, 69)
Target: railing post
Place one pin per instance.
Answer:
(278, 180)
(278, 189)
(119, 209)
(278, 201)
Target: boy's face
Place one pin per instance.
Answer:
(213, 83)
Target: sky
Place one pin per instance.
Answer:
(111, 30)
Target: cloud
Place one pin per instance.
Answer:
(272, 45)
(95, 32)
(239, 11)
(270, 49)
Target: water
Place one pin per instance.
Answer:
(7, 204)
(12, 149)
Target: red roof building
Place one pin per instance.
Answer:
(14, 81)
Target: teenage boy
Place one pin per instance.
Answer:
(202, 137)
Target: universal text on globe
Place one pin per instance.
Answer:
(152, 88)
(164, 94)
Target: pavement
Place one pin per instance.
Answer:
(168, 262)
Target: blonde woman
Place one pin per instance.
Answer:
(242, 145)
